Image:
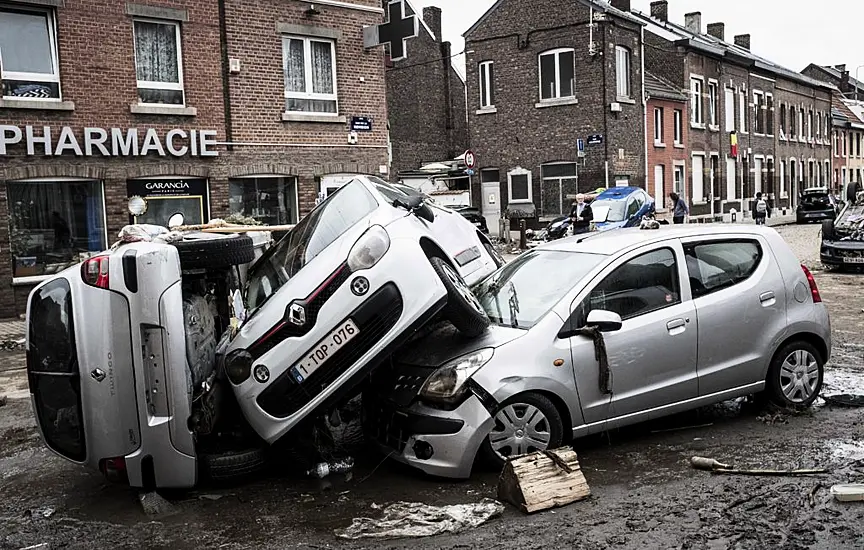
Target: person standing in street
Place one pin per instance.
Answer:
(679, 208)
(581, 215)
(761, 209)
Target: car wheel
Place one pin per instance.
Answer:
(233, 465)
(795, 376)
(499, 261)
(523, 424)
(216, 253)
(463, 308)
(828, 230)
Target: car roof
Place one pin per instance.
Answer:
(617, 193)
(611, 242)
(816, 190)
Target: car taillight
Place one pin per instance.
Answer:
(814, 290)
(114, 469)
(95, 271)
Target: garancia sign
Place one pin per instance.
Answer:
(110, 142)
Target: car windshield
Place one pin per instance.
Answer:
(323, 226)
(512, 296)
(609, 211)
(811, 198)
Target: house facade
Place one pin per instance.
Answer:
(667, 136)
(838, 76)
(200, 107)
(555, 105)
(848, 133)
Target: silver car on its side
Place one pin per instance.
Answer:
(689, 316)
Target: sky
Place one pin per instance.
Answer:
(793, 33)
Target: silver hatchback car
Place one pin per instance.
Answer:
(603, 331)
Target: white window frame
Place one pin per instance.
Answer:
(307, 58)
(55, 63)
(802, 136)
(557, 96)
(678, 125)
(519, 171)
(697, 107)
(810, 125)
(783, 193)
(147, 84)
(623, 78)
(713, 105)
(661, 187)
(743, 111)
(485, 77)
(729, 106)
(781, 117)
(769, 114)
(658, 126)
(698, 198)
(680, 167)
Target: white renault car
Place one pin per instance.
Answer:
(132, 359)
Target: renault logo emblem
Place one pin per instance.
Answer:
(97, 375)
(297, 315)
(360, 286)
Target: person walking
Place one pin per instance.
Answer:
(761, 209)
(581, 215)
(679, 208)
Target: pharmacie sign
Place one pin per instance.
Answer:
(108, 142)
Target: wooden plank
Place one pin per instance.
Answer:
(246, 228)
(538, 481)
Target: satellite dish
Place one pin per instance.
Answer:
(176, 220)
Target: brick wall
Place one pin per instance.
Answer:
(666, 154)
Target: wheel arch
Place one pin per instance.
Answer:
(433, 250)
(813, 339)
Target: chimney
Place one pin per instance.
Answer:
(660, 10)
(432, 17)
(743, 40)
(841, 68)
(623, 5)
(693, 22)
(717, 30)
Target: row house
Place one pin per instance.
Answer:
(555, 104)
(848, 133)
(838, 76)
(202, 108)
(666, 136)
(754, 126)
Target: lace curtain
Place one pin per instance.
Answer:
(156, 52)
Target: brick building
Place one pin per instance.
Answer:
(847, 121)
(849, 86)
(201, 107)
(667, 134)
(542, 75)
(737, 95)
(426, 100)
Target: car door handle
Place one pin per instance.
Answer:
(767, 298)
(675, 326)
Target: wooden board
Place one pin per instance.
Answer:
(539, 481)
(246, 228)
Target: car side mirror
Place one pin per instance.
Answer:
(410, 203)
(606, 321)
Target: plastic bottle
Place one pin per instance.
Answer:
(324, 469)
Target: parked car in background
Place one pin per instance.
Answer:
(473, 215)
(619, 207)
(843, 238)
(689, 315)
(816, 204)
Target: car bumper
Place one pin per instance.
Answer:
(815, 216)
(437, 442)
(839, 253)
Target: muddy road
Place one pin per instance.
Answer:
(645, 495)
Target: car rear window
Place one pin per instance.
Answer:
(812, 198)
(715, 265)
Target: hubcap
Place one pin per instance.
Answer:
(799, 376)
(519, 429)
(463, 289)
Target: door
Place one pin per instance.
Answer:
(652, 359)
(740, 302)
(492, 205)
(757, 176)
(730, 179)
(659, 183)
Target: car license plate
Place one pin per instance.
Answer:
(325, 349)
(859, 260)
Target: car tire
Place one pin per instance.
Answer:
(496, 257)
(551, 425)
(217, 253)
(463, 309)
(828, 230)
(796, 361)
(233, 465)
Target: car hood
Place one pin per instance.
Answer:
(443, 343)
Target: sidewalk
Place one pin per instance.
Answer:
(12, 329)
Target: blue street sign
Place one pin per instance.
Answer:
(580, 144)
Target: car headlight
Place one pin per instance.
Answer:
(447, 384)
(238, 365)
(369, 249)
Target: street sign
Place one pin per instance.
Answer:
(470, 159)
(595, 139)
(361, 124)
(401, 25)
(580, 145)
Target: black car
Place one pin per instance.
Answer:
(816, 204)
(473, 215)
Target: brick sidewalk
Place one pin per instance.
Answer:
(12, 329)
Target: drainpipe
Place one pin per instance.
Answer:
(226, 84)
(645, 111)
(602, 52)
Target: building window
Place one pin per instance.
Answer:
(729, 96)
(731, 179)
(658, 126)
(742, 112)
(487, 85)
(54, 224)
(622, 72)
(158, 62)
(557, 69)
(769, 114)
(698, 170)
(793, 126)
(519, 186)
(712, 104)
(310, 75)
(758, 113)
(678, 180)
(801, 131)
(270, 200)
(659, 185)
(782, 121)
(810, 125)
(28, 54)
(697, 117)
(678, 127)
(559, 181)
(782, 178)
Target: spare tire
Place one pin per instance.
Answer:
(215, 253)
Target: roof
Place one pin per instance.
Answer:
(835, 73)
(617, 192)
(713, 46)
(848, 113)
(600, 5)
(659, 88)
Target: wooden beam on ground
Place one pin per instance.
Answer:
(543, 480)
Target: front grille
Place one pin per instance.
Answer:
(52, 369)
(375, 318)
(384, 424)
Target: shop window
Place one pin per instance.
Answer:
(28, 54)
(269, 200)
(158, 64)
(310, 75)
(54, 225)
(166, 197)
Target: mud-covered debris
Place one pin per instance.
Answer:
(845, 400)
(703, 463)
(210, 497)
(414, 519)
(14, 344)
(324, 469)
(2, 400)
(40, 546)
(848, 492)
(154, 505)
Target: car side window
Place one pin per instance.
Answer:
(633, 207)
(713, 266)
(644, 284)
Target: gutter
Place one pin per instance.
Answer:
(226, 83)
